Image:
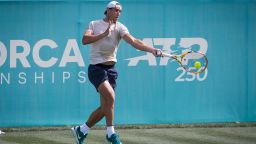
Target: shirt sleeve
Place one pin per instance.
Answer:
(90, 27)
(123, 30)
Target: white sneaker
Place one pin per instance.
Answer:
(1, 132)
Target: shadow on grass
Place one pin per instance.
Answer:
(28, 140)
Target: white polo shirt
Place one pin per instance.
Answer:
(105, 49)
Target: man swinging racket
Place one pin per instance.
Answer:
(104, 36)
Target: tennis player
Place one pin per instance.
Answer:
(104, 36)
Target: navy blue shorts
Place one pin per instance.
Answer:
(99, 73)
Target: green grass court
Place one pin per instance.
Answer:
(156, 135)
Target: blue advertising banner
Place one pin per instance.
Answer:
(43, 64)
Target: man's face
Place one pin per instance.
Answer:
(114, 13)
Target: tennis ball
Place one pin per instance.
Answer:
(197, 64)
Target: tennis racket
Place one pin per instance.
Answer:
(191, 61)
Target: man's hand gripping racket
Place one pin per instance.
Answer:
(191, 61)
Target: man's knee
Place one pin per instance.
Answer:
(108, 94)
(110, 101)
(102, 109)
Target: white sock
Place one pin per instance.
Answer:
(84, 128)
(110, 131)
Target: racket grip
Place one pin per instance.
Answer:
(167, 55)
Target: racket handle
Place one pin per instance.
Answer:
(167, 55)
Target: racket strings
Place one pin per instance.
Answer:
(189, 60)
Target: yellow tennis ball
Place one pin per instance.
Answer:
(197, 64)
